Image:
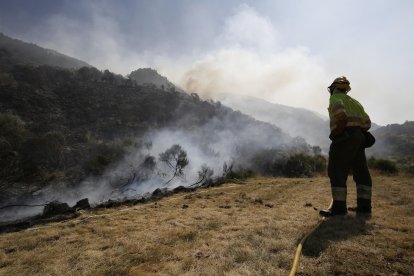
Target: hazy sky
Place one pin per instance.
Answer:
(286, 52)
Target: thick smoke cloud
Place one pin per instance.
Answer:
(289, 77)
(245, 57)
(249, 61)
(370, 46)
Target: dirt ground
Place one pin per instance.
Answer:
(251, 228)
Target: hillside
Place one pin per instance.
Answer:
(395, 141)
(66, 134)
(236, 229)
(98, 135)
(14, 51)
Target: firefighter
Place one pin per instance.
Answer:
(349, 125)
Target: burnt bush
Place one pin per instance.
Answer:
(205, 175)
(175, 159)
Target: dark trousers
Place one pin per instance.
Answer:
(347, 152)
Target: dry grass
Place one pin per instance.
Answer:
(228, 230)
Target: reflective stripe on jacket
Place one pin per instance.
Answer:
(343, 107)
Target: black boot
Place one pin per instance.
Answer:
(337, 208)
(363, 206)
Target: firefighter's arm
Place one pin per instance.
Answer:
(339, 117)
(367, 123)
(340, 120)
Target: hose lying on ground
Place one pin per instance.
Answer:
(299, 249)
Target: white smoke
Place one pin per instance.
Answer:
(250, 61)
(249, 41)
(248, 29)
(289, 77)
(211, 145)
(245, 58)
(232, 139)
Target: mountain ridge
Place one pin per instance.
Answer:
(295, 121)
(396, 142)
(143, 76)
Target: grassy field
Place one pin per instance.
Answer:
(236, 229)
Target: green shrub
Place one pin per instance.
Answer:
(410, 170)
(97, 164)
(386, 166)
(5, 148)
(302, 165)
(371, 162)
(241, 173)
(7, 80)
(41, 155)
(9, 162)
(275, 162)
(319, 163)
(269, 162)
(12, 129)
(383, 165)
(12, 135)
(102, 156)
(229, 172)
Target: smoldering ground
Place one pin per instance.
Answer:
(233, 140)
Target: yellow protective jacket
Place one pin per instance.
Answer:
(344, 111)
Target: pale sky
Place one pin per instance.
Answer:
(286, 52)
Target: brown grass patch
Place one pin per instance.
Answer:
(250, 229)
